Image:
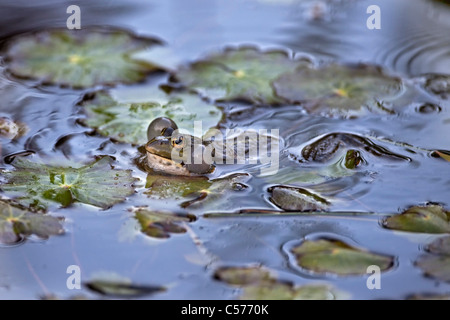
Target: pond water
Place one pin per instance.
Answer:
(412, 42)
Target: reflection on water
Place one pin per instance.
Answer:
(413, 42)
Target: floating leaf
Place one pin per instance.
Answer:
(261, 284)
(98, 183)
(10, 129)
(286, 291)
(239, 73)
(196, 188)
(338, 89)
(122, 288)
(334, 256)
(16, 221)
(437, 264)
(242, 275)
(79, 58)
(428, 219)
(438, 84)
(297, 199)
(160, 224)
(127, 121)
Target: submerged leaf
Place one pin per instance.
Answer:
(297, 199)
(239, 73)
(334, 256)
(98, 184)
(193, 189)
(428, 219)
(16, 221)
(78, 58)
(160, 224)
(338, 89)
(437, 264)
(127, 121)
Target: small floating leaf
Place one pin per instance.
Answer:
(337, 89)
(437, 264)
(334, 256)
(262, 284)
(122, 288)
(98, 183)
(160, 224)
(241, 276)
(127, 121)
(297, 199)
(16, 221)
(78, 58)
(243, 73)
(428, 219)
(286, 291)
(443, 155)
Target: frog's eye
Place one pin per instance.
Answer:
(178, 142)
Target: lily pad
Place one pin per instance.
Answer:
(243, 73)
(241, 276)
(262, 284)
(437, 264)
(193, 189)
(338, 89)
(428, 219)
(160, 224)
(17, 221)
(79, 59)
(37, 185)
(336, 257)
(286, 291)
(122, 288)
(127, 121)
(297, 199)
(10, 129)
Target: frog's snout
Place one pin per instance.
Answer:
(159, 146)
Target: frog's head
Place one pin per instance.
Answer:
(164, 140)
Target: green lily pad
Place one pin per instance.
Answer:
(79, 59)
(193, 189)
(338, 89)
(334, 256)
(160, 224)
(127, 121)
(240, 276)
(17, 221)
(437, 264)
(428, 219)
(37, 185)
(243, 73)
(297, 199)
(286, 291)
(11, 129)
(258, 283)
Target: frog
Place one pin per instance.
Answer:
(164, 140)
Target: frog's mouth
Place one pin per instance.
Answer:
(159, 157)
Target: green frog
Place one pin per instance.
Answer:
(164, 140)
